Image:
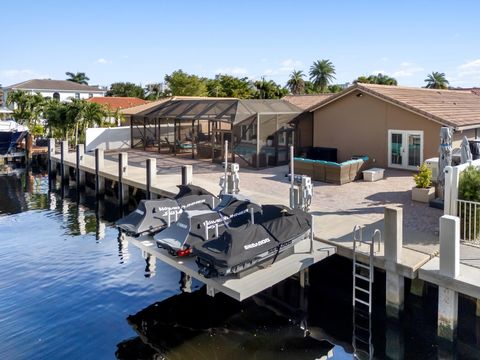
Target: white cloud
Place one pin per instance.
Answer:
(290, 65)
(236, 71)
(471, 68)
(10, 76)
(407, 69)
(103, 61)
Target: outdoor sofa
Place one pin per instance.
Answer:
(329, 171)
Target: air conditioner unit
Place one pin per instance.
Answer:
(432, 164)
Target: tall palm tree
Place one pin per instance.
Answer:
(322, 73)
(296, 84)
(436, 80)
(78, 77)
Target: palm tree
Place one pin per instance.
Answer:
(154, 91)
(296, 84)
(322, 73)
(436, 80)
(78, 77)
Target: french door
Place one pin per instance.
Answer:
(405, 149)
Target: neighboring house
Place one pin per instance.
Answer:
(397, 127)
(61, 90)
(304, 122)
(116, 103)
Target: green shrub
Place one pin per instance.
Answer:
(38, 130)
(469, 184)
(469, 189)
(423, 179)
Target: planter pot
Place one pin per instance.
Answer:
(423, 194)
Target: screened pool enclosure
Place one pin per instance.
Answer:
(257, 131)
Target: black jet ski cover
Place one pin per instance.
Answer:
(190, 189)
(243, 244)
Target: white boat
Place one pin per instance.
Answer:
(11, 134)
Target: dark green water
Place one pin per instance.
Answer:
(69, 289)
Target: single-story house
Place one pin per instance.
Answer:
(304, 121)
(62, 90)
(396, 127)
(117, 103)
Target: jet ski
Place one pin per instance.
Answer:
(152, 216)
(196, 226)
(240, 248)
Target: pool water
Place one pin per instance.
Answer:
(70, 288)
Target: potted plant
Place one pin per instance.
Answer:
(423, 191)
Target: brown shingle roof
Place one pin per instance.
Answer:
(60, 85)
(305, 102)
(117, 102)
(459, 109)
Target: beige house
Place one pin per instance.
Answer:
(396, 127)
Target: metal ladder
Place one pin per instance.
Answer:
(363, 276)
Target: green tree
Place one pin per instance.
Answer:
(230, 86)
(78, 77)
(436, 80)
(183, 84)
(322, 73)
(310, 88)
(296, 84)
(153, 91)
(28, 108)
(269, 90)
(380, 79)
(126, 89)
(334, 88)
(57, 120)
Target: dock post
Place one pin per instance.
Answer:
(99, 180)
(187, 174)
(122, 171)
(80, 174)
(51, 164)
(151, 168)
(395, 283)
(449, 267)
(64, 171)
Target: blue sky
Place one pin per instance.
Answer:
(141, 41)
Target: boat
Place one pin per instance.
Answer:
(11, 134)
(196, 226)
(152, 216)
(240, 248)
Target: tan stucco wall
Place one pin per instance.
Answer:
(359, 126)
(458, 137)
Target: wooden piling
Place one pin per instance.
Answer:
(64, 170)
(187, 174)
(122, 171)
(80, 174)
(99, 180)
(151, 170)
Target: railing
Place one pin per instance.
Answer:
(469, 214)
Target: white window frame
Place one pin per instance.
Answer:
(405, 134)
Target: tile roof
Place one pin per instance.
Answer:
(305, 102)
(456, 108)
(117, 102)
(59, 85)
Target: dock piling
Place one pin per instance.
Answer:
(151, 169)
(51, 164)
(395, 283)
(80, 174)
(449, 267)
(63, 167)
(122, 172)
(187, 174)
(99, 166)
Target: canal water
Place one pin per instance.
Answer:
(70, 288)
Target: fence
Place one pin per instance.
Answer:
(469, 214)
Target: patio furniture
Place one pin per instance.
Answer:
(329, 171)
(373, 174)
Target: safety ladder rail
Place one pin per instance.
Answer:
(363, 277)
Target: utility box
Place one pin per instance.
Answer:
(432, 164)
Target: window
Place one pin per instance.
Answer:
(56, 96)
(77, 95)
(90, 95)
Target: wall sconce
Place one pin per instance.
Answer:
(359, 95)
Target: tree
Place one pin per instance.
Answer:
(230, 86)
(436, 80)
(296, 84)
(380, 79)
(28, 108)
(269, 90)
(57, 119)
(183, 84)
(153, 91)
(322, 73)
(78, 77)
(126, 89)
(334, 88)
